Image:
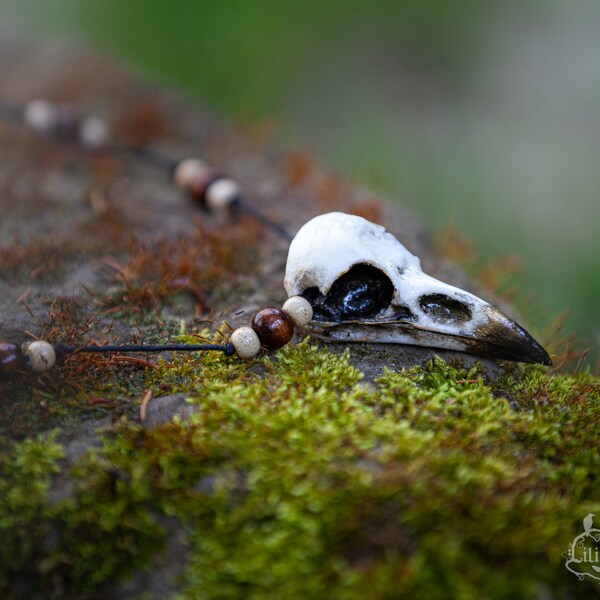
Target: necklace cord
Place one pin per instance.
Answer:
(228, 349)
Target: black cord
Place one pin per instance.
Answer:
(141, 153)
(250, 211)
(11, 113)
(227, 349)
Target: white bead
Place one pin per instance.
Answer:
(189, 171)
(40, 356)
(94, 132)
(40, 115)
(221, 193)
(246, 342)
(299, 310)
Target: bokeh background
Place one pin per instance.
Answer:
(478, 115)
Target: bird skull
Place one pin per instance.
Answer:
(365, 286)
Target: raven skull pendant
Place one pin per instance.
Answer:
(365, 286)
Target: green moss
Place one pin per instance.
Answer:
(293, 479)
(27, 470)
(108, 528)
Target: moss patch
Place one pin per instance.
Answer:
(304, 482)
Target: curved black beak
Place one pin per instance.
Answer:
(505, 339)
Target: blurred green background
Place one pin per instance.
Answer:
(481, 114)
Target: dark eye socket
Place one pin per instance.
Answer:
(361, 293)
(443, 308)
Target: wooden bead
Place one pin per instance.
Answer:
(299, 310)
(40, 356)
(67, 120)
(222, 193)
(274, 327)
(12, 359)
(246, 342)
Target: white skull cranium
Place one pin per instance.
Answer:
(364, 285)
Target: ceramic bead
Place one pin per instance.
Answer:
(94, 132)
(192, 175)
(40, 356)
(299, 310)
(246, 342)
(221, 193)
(40, 115)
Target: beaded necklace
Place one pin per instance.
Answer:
(271, 328)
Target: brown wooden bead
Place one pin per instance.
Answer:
(67, 120)
(12, 359)
(274, 327)
(198, 186)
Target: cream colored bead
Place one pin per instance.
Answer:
(189, 171)
(40, 115)
(40, 356)
(221, 193)
(299, 310)
(246, 342)
(94, 132)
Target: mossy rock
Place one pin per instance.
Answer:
(303, 482)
